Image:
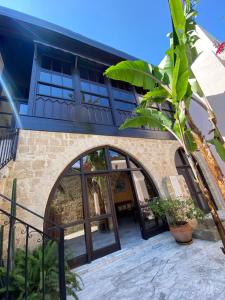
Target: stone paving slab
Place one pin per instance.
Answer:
(157, 269)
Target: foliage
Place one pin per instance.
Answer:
(177, 211)
(173, 82)
(34, 275)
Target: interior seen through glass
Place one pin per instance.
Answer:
(107, 201)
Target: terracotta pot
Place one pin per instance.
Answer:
(182, 233)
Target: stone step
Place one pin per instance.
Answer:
(206, 234)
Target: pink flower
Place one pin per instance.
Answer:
(220, 48)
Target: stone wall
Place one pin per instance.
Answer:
(42, 157)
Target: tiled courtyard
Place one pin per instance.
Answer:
(157, 269)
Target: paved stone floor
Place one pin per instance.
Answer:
(157, 269)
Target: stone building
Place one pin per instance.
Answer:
(73, 165)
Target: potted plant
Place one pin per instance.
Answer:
(178, 213)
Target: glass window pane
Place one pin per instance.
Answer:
(125, 105)
(75, 241)
(46, 62)
(67, 68)
(56, 65)
(56, 92)
(98, 197)
(56, 79)
(23, 109)
(67, 204)
(102, 233)
(145, 189)
(118, 161)
(75, 168)
(85, 86)
(117, 94)
(95, 100)
(94, 161)
(83, 73)
(132, 164)
(102, 90)
(44, 89)
(45, 77)
(67, 82)
(68, 94)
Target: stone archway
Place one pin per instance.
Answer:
(92, 192)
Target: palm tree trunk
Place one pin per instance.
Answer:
(207, 155)
(208, 199)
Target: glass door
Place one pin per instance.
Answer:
(102, 222)
(145, 192)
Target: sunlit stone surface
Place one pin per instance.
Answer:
(157, 269)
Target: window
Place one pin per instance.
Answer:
(55, 81)
(125, 106)
(95, 100)
(93, 89)
(56, 65)
(92, 75)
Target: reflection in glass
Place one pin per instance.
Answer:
(119, 94)
(144, 188)
(44, 89)
(93, 88)
(98, 197)
(67, 82)
(125, 106)
(133, 165)
(68, 94)
(56, 92)
(102, 233)
(45, 77)
(95, 100)
(94, 161)
(23, 108)
(56, 79)
(75, 241)
(118, 161)
(75, 168)
(67, 204)
(145, 192)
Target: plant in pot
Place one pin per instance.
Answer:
(178, 213)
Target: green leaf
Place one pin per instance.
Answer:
(158, 95)
(148, 117)
(180, 74)
(167, 64)
(219, 147)
(138, 73)
(190, 141)
(176, 10)
(195, 87)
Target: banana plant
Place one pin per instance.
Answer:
(173, 83)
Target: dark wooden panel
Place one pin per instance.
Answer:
(57, 125)
(53, 108)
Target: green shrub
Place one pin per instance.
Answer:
(34, 275)
(177, 211)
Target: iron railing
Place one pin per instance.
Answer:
(8, 146)
(16, 234)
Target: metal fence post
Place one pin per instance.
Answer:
(62, 280)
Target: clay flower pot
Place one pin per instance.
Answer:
(182, 233)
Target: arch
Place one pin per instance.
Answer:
(98, 175)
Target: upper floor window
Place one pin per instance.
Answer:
(93, 88)
(55, 79)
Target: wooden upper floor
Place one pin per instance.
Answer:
(53, 80)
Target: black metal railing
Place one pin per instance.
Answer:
(8, 146)
(18, 242)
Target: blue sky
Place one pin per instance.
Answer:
(138, 27)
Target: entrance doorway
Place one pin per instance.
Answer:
(102, 200)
